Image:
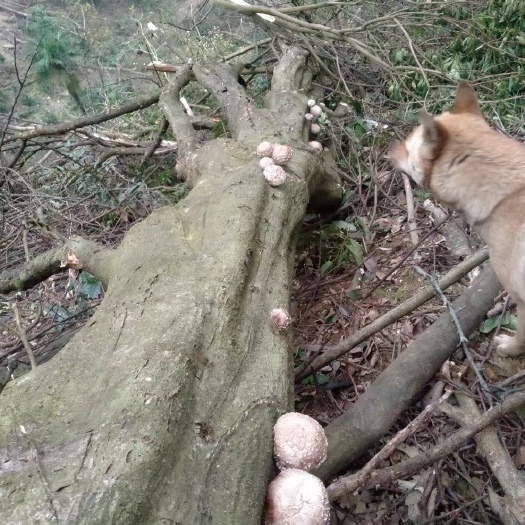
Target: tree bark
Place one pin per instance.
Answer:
(160, 411)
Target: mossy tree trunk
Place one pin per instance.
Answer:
(160, 410)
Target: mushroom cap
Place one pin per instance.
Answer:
(316, 111)
(264, 149)
(311, 103)
(295, 497)
(315, 129)
(275, 175)
(281, 154)
(309, 116)
(265, 162)
(280, 318)
(299, 442)
(317, 146)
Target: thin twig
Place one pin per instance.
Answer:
(351, 483)
(411, 219)
(21, 85)
(21, 332)
(411, 46)
(390, 317)
(158, 140)
(462, 338)
(425, 458)
(380, 282)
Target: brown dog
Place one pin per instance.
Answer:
(480, 172)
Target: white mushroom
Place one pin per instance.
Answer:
(275, 175)
(299, 442)
(281, 154)
(280, 318)
(311, 103)
(264, 149)
(265, 162)
(316, 111)
(295, 497)
(317, 146)
(315, 129)
(309, 116)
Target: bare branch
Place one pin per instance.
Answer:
(412, 50)
(393, 315)
(179, 121)
(129, 107)
(392, 392)
(75, 253)
(470, 427)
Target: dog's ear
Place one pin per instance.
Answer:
(430, 129)
(434, 135)
(466, 99)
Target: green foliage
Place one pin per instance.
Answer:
(320, 379)
(485, 40)
(108, 96)
(85, 288)
(28, 100)
(89, 287)
(49, 117)
(56, 51)
(508, 321)
(4, 102)
(495, 46)
(220, 128)
(338, 247)
(422, 194)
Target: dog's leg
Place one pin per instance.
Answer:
(508, 346)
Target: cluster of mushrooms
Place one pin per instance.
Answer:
(274, 156)
(314, 113)
(296, 497)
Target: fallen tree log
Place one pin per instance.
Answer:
(161, 409)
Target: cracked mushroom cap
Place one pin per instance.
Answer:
(316, 111)
(265, 162)
(295, 497)
(299, 442)
(275, 175)
(280, 318)
(281, 154)
(264, 149)
(317, 146)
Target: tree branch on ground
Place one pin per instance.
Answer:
(128, 107)
(374, 413)
(75, 253)
(331, 353)
(171, 329)
(22, 332)
(294, 25)
(510, 507)
(471, 425)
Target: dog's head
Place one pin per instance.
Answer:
(417, 155)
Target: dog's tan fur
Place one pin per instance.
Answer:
(480, 172)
